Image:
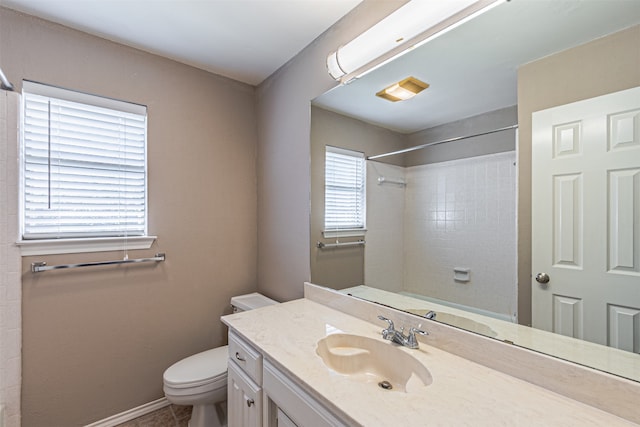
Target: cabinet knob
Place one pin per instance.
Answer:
(250, 402)
(240, 358)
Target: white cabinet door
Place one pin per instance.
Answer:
(290, 400)
(284, 420)
(244, 399)
(586, 219)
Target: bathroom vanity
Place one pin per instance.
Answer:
(258, 390)
(283, 372)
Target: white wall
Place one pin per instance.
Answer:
(10, 290)
(461, 213)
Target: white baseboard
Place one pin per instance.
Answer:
(131, 414)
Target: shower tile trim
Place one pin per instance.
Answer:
(10, 264)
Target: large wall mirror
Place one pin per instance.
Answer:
(447, 224)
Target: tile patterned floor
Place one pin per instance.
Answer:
(170, 416)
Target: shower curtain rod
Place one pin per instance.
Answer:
(429, 144)
(4, 82)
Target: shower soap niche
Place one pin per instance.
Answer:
(461, 274)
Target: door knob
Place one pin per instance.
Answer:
(542, 278)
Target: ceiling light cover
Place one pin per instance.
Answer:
(403, 90)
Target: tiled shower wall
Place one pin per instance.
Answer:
(454, 214)
(462, 214)
(10, 290)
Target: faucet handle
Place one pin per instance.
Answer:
(389, 321)
(387, 333)
(412, 342)
(413, 331)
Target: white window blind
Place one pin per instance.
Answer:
(83, 165)
(344, 197)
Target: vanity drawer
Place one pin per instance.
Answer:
(246, 357)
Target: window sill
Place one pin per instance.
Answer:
(354, 232)
(74, 246)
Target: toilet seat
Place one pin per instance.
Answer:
(203, 370)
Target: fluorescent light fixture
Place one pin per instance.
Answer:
(4, 82)
(403, 90)
(411, 25)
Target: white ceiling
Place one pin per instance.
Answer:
(246, 40)
(473, 68)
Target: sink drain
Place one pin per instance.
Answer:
(385, 385)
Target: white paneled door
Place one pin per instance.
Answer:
(586, 219)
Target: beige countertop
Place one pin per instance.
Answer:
(462, 393)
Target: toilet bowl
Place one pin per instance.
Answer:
(201, 380)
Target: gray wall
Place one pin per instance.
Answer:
(96, 341)
(477, 146)
(341, 267)
(284, 124)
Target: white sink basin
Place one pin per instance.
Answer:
(370, 360)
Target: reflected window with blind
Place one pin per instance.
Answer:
(345, 201)
(84, 165)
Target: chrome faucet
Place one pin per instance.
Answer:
(398, 337)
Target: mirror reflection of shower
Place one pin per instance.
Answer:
(440, 220)
(445, 232)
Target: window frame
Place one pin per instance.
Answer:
(41, 246)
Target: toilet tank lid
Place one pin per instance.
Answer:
(251, 301)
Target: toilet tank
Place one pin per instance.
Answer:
(250, 302)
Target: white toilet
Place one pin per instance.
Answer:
(201, 380)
